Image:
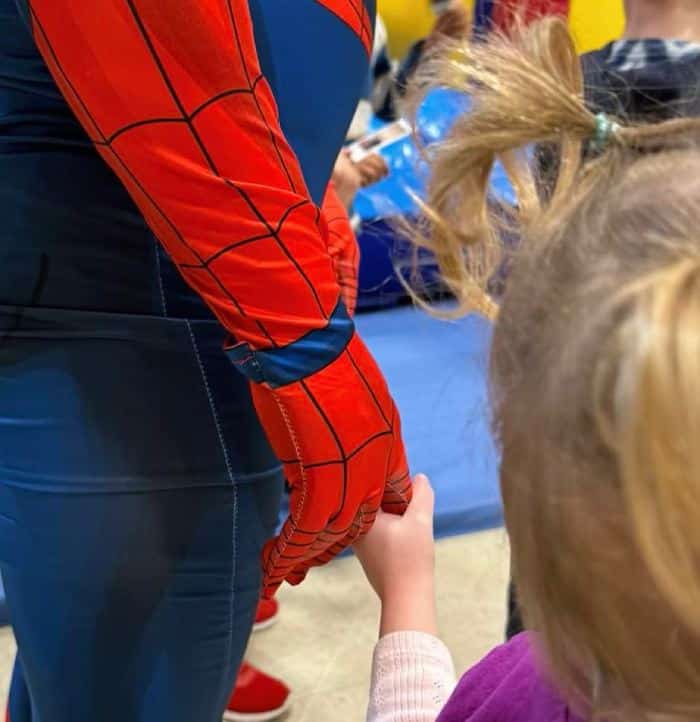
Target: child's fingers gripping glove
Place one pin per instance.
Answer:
(338, 434)
(342, 246)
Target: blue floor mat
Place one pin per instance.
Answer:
(437, 373)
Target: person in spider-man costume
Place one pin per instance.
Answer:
(155, 154)
(503, 14)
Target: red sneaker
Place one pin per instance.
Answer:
(257, 697)
(266, 615)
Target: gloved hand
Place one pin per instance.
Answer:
(338, 434)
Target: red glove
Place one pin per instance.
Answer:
(342, 247)
(175, 101)
(338, 434)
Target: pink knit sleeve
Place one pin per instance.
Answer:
(412, 678)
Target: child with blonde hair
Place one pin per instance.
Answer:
(595, 386)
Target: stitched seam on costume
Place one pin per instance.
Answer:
(302, 468)
(232, 591)
(215, 416)
(160, 276)
(234, 568)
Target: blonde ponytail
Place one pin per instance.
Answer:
(522, 94)
(527, 91)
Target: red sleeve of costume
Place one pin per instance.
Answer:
(173, 97)
(342, 246)
(354, 14)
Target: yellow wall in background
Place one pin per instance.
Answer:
(593, 22)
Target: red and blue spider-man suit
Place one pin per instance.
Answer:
(174, 98)
(135, 494)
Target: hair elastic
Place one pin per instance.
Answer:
(605, 130)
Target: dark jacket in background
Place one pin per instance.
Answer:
(644, 80)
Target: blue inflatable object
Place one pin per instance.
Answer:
(383, 206)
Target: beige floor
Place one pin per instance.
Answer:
(335, 614)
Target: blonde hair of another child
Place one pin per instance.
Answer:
(595, 367)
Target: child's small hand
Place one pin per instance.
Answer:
(398, 557)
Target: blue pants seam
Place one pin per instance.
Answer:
(234, 567)
(160, 278)
(210, 396)
(215, 416)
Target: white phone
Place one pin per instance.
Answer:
(439, 6)
(374, 142)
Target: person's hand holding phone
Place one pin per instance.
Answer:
(349, 176)
(372, 169)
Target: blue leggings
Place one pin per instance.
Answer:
(136, 491)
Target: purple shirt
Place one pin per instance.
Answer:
(506, 686)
